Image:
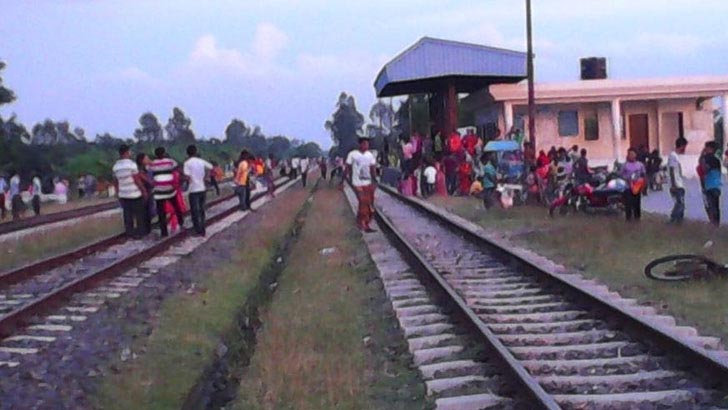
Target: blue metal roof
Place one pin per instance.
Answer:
(424, 66)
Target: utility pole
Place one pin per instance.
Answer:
(531, 92)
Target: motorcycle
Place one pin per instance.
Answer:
(607, 197)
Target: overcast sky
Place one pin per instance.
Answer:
(281, 64)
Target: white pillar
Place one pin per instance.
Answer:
(617, 128)
(724, 100)
(508, 116)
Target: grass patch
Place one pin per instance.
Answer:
(41, 245)
(616, 252)
(188, 326)
(311, 350)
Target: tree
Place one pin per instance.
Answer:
(54, 133)
(345, 124)
(236, 132)
(309, 150)
(6, 95)
(178, 127)
(279, 146)
(108, 140)
(150, 129)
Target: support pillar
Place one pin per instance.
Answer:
(617, 127)
(724, 100)
(508, 116)
(451, 109)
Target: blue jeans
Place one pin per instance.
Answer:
(712, 205)
(678, 210)
(242, 192)
(197, 210)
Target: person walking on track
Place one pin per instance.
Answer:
(3, 190)
(194, 168)
(361, 168)
(36, 190)
(303, 169)
(165, 192)
(242, 175)
(131, 193)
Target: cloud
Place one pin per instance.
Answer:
(268, 42)
(662, 43)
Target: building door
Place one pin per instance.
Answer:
(639, 133)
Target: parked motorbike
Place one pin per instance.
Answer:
(607, 197)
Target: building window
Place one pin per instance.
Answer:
(591, 125)
(568, 123)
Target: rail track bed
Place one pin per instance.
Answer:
(548, 345)
(44, 303)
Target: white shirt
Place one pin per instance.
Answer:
(361, 163)
(430, 174)
(37, 188)
(295, 162)
(124, 171)
(673, 162)
(303, 165)
(195, 169)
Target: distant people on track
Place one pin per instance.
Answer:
(147, 178)
(216, 176)
(303, 169)
(165, 188)
(3, 191)
(677, 184)
(17, 207)
(633, 171)
(131, 193)
(267, 177)
(195, 169)
(242, 179)
(36, 189)
(361, 168)
(710, 171)
(89, 186)
(323, 162)
(295, 167)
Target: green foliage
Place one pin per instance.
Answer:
(345, 124)
(309, 150)
(6, 95)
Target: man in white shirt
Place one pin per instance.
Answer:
(37, 190)
(430, 175)
(3, 190)
(677, 185)
(194, 168)
(361, 168)
(303, 169)
(131, 192)
(295, 163)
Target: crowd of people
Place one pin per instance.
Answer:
(460, 165)
(149, 187)
(17, 197)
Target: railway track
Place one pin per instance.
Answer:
(58, 218)
(489, 329)
(73, 286)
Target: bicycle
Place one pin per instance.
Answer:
(675, 268)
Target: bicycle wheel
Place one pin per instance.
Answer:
(676, 268)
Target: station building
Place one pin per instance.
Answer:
(605, 116)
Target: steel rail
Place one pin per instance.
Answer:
(538, 398)
(701, 362)
(34, 268)
(43, 303)
(47, 219)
